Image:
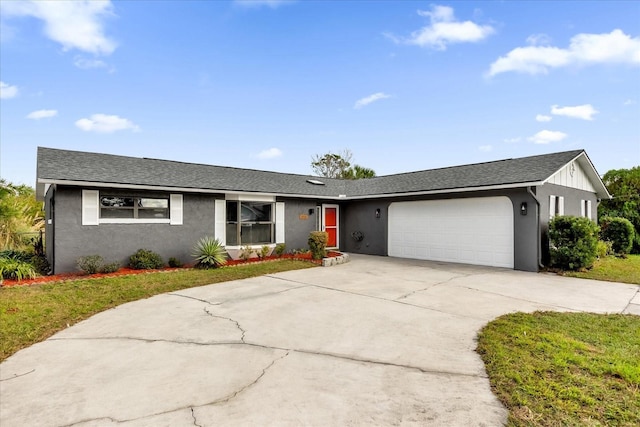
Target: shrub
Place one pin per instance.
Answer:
(573, 242)
(175, 262)
(246, 252)
(603, 249)
(14, 268)
(209, 253)
(280, 248)
(90, 264)
(619, 231)
(318, 244)
(264, 251)
(110, 268)
(145, 259)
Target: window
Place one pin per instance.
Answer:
(249, 223)
(134, 207)
(556, 206)
(105, 208)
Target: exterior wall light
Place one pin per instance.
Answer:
(523, 208)
(377, 213)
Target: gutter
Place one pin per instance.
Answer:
(538, 237)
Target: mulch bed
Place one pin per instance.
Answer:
(126, 271)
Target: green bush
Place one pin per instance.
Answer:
(14, 268)
(246, 252)
(209, 253)
(619, 231)
(110, 268)
(264, 251)
(145, 259)
(318, 244)
(280, 248)
(38, 261)
(603, 249)
(93, 264)
(90, 264)
(573, 242)
(175, 262)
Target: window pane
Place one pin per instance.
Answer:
(112, 201)
(232, 234)
(232, 211)
(253, 234)
(116, 213)
(154, 203)
(256, 212)
(153, 213)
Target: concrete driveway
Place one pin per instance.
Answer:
(377, 341)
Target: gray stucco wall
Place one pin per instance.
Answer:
(299, 222)
(359, 220)
(116, 242)
(572, 200)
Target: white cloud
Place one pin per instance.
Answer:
(74, 24)
(547, 136)
(273, 4)
(584, 49)
(485, 148)
(86, 64)
(629, 102)
(103, 123)
(271, 153)
(538, 39)
(42, 114)
(444, 29)
(584, 112)
(363, 102)
(8, 91)
(543, 118)
(512, 140)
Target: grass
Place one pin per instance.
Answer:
(565, 369)
(30, 314)
(612, 269)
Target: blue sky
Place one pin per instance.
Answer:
(403, 85)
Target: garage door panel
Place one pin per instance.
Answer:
(471, 231)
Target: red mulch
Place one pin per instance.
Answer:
(126, 271)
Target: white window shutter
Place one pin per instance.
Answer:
(280, 222)
(582, 211)
(552, 206)
(561, 205)
(220, 222)
(175, 205)
(90, 207)
(589, 209)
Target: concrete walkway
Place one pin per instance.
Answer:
(377, 341)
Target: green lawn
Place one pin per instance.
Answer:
(30, 314)
(565, 369)
(612, 269)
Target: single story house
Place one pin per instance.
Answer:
(494, 213)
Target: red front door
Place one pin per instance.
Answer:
(330, 223)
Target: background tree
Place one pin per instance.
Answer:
(333, 165)
(21, 215)
(624, 185)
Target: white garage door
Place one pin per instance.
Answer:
(470, 231)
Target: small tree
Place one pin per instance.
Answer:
(618, 231)
(573, 242)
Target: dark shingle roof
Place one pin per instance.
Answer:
(56, 165)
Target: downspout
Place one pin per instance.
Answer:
(539, 245)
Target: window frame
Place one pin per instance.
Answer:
(92, 208)
(239, 223)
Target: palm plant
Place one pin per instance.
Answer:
(20, 215)
(209, 253)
